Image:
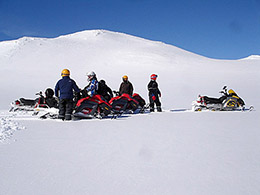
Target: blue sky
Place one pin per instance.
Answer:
(223, 29)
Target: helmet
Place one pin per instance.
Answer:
(65, 72)
(102, 82)
(125, 77)
(231, 91)
(91, 75)
(49, 93)
(154, 77)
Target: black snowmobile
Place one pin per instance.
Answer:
(229, 101)
(43, 106)
(32, 105)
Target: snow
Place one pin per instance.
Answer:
(253, 57)
(7, 128)
(172, 152)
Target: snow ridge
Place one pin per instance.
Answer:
(253, 57)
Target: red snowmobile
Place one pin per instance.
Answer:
(123, 103)
(140, 100)
(92, 107)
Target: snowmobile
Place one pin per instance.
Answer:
(123, 103)
(92, 107)
(39, 103)
(46, 106)
(229, 101)
(142, 104)
(139, 99)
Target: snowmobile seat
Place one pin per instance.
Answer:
(209, 100)
(27, 102)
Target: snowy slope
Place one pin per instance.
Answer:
(182, 75)
(159, 153)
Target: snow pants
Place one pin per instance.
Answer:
(154, 99)
(65, 109)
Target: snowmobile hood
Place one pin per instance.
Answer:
(96, 98)
(231, 91)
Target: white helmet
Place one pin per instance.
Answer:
(91, 75)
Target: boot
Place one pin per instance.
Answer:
(159, 109)
(151, 109)
(67, 117)
(61, 117)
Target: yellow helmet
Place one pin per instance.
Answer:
(231, 91)
(125, 77)
(65, 72)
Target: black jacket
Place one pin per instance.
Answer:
(104, 90)
(153, 88)
(126, 87)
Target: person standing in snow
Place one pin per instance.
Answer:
(92, 87)
(104, 90)
(154, 94)
(126, 86)
(64, 91)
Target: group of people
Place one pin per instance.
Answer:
(66, 87)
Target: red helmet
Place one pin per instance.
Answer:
(153, 77)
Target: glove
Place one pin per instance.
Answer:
(89, 93)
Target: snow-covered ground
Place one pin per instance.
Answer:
(160, 153)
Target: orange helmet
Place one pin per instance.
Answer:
(65, 72)
(125, 77)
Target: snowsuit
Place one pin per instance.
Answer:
(104, 91)
(154, 94)
(92, 87)
(64, 90)
(126, 87)
(51, 102)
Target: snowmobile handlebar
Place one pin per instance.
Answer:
(224, 90)
(40, 94)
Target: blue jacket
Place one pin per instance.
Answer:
(64, 88)
(92, 87)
